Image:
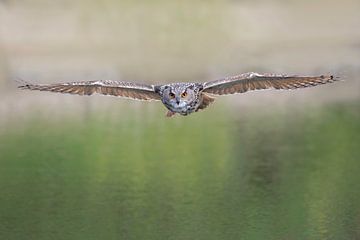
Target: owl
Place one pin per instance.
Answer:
(185, 98)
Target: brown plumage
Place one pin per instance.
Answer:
(106, 87)
(253, 81)
(185, 98)
(206, 101)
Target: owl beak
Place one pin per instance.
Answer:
(177, 100)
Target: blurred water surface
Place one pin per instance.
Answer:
(263, 176)
(263, 165)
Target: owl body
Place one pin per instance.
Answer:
(182, 98)
(185, 98)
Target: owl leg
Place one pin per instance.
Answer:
(170, 114)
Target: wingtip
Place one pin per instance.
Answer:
(22, 84)
(23, 87)
(331, 78)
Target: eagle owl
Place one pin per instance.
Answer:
(184, 98)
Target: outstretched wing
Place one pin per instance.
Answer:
(254, 81)
(105, 87)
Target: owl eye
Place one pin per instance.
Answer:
(172, 95)
(184, 94)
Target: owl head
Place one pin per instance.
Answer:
(180, 95)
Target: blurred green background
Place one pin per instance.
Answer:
(259, 165)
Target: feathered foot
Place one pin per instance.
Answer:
(170, 114)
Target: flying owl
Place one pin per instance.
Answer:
(184, 98)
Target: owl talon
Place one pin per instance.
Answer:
(170, 114)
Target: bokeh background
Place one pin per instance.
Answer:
(260, 165)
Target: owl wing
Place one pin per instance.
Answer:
(254, 81)
(105, 87)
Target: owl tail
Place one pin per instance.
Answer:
(206, 101)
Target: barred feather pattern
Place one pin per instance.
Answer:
(185, 98)
(205, 101)
(254, 81)
(105, 87)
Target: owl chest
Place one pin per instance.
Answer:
(183, 110)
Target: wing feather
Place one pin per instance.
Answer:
(106, 87)
(254, 81)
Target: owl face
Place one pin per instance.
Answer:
(180, 97)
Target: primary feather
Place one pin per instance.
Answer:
(185, 98)
(254, 81)
(105, 87)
